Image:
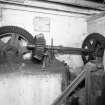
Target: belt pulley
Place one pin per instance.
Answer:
(95, 43)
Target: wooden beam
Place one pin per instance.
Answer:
(51, 6)
(83, 3)
(88, 86)
(70, 88)
(96, 16)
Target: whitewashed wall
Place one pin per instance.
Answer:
(97, 26)
(66, 29)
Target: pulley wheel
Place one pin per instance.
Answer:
(95, 44)
(13, 41)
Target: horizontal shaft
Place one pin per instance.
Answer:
(70, 50)
(65, 50)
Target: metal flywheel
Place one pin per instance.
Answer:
(94, 42)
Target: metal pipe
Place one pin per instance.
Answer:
(65, 50)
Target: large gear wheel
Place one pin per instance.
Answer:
(14, 40)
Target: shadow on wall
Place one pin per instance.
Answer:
(74, 61)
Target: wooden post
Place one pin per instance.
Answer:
(88, 86)
(93, 81)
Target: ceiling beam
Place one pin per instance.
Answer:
(51, 6)
(83, 3)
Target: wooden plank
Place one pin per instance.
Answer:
(70, 88)
(88, 87)
(85, 74)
